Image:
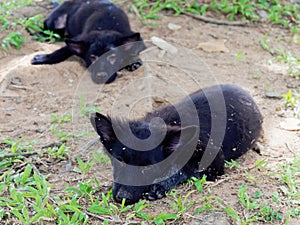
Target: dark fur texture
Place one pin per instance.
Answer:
(243, 124)
(92, 28)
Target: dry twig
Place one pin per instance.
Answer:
(215, 21)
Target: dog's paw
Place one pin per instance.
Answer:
(39, 59)
(156, 192)
(151, 196)
(134, 66)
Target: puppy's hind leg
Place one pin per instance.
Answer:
(55, 57)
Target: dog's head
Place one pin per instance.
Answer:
(106, 51)
(138, 173)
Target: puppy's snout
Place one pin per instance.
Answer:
(99, 77)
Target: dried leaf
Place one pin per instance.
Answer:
(290, 124)
(213, 46)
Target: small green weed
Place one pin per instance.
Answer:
(265, 45)
(246, 200)
(210, 203)
(232, 164)
(138, 211)
(241, 55)
(71, 213)
(269, 215)
(60, 133)
(13, 39)
(47, 36)
(83, 167)
(234, 215)
(100, 157)
(61, 152)
(291, 99)
(18, 145)
(61, 119)
(161, 218)
(288, 175)
(85, 189)
(199, 183)
(180, 205)
(85, 109)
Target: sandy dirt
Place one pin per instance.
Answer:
(29, 95)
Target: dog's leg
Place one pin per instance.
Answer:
(135, 65)
(216, 168)
(55, 57)
(112, 78)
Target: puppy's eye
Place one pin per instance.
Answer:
(112, 58)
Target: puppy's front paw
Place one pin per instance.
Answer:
(151, 196)
(156, 192)
(134, 66)
(39, 59)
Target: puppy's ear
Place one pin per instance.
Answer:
(177, 137)
(78, 47)
(60, 22)
(132, 42)
(103, 127)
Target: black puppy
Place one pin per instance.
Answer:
(92, 28)
(210, 126)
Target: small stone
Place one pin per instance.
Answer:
(164, 45)
(210, 219)
(263, 15)
(290, 124)
(272, 94)
(173, 26)
(40, 131)
(10, 108)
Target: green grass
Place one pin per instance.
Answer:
(27, 196)
(277, 12)
(16, 28)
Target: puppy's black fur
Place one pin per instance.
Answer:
(243, 126)
(92, 28)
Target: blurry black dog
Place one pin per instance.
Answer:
(92, 28)
(228, 123)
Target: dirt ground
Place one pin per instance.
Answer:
(29, 95)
